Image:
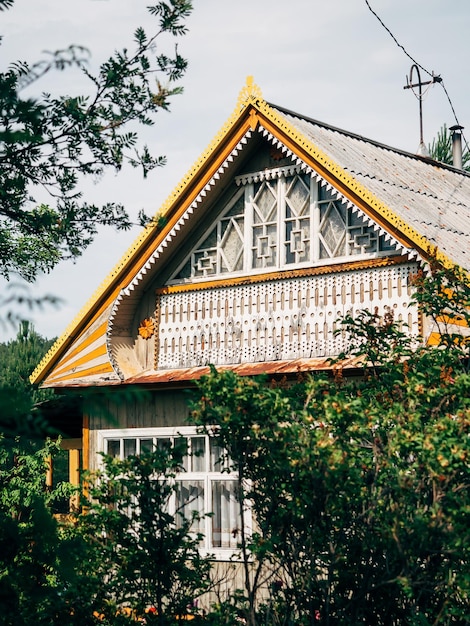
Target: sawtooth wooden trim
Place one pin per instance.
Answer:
(283, 274)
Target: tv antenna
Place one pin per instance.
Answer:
(422, 149)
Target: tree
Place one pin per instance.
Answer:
(18, 358)
(143, 557)
(124, 557)
(38, 568)
(441, 149)
(359, 489)
(48, 144)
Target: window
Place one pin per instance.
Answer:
(204, 486)
(281, 219)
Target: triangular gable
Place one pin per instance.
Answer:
(280, 200)
(83, 351)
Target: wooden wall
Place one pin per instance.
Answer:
(133, 408)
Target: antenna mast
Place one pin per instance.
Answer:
(422, 149)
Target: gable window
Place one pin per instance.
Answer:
(280, 219)
(205, 485)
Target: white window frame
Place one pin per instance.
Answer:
(207, 477)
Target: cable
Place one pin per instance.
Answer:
(455, 116)
(397, 42)
(441, 82)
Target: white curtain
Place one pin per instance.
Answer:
(226, 519)
(189, 498)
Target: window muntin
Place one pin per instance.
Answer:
(222, 250)
(204, 485)
(281, 221)
(264, 214)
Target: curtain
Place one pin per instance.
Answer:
(226, 519)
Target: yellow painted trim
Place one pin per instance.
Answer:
(434, 339)
(454, 321)
(74, 477)
(333, 268)
(105, 368)
(72, 333)
(99, 351)
(85, 450)
(96, 334)
(86, 442)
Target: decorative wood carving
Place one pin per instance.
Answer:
(288, 318)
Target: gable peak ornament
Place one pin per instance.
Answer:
(250, 93)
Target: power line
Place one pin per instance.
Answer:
(441, 82)
(396, 40)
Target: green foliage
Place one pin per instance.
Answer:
(441, 149)
(123, 555)
(443, 295)
(145, 556)
(6, 4)
(359, 488)
(35, 559)
(18, 358)
(50, 143)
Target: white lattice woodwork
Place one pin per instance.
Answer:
(275, 319)
(280, 219)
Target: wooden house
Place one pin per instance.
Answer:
(283, 225)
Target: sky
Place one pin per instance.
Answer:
(329, 60)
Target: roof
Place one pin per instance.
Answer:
(294, 367)
(431, 197)
(422, 204)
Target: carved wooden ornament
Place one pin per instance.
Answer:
(146, 328)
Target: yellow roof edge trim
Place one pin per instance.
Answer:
(428, 248)
(249, 94)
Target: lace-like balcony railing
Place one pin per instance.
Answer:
(273, 320)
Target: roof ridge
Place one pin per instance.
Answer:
(418, 157)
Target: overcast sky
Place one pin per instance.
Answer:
(330, 60)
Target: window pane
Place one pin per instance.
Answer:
(216, 461)
(231, 248)
(163, 443)
(265, 203)
(130, 447)
(182, 444)
(146, 445)
(198, 448)
(190, 498)
(114, 448)
(333, 228)
(226, 518)
(298, 195)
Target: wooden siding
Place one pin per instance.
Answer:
(87, 358)
(289, 318)
(133, 409)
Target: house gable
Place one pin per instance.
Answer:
(255, 226)
(260, 151)
(281, 218)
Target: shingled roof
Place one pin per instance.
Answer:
(432, 197)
